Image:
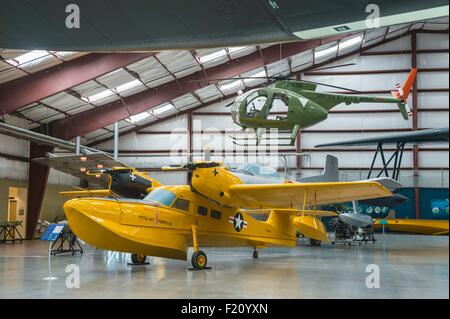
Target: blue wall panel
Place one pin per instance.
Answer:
(434, 203)
(406, 210)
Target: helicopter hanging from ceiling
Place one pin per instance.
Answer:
(304, 106)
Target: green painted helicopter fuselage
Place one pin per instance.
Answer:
(304, 107)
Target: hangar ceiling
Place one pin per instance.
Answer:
(145, 88)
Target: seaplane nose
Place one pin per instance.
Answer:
(72, 207)
(95, 209)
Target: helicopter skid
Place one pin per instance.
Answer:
(237, 141)
(279, 145)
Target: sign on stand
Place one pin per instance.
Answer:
(51, 234)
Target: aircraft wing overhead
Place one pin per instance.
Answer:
(106, 25)
(71, 164)
(432, 136)
(293, 194)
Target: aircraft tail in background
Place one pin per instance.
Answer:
(330, 172)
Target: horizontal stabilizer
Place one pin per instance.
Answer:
(311, 227)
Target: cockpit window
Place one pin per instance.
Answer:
(255, 103)
(161, 196)
(181, 204)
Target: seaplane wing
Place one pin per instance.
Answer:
(78, 165)
(317, 213)
(304, 194)
(88, 193)
(414, 226)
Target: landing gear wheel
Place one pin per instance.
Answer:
(199, 260)
(315, 242)
(255, 254)
(138, 259)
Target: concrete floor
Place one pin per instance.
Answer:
(410, 267)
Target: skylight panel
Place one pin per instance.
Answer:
(255, 77)
(163, 109)
(98, 96)
(63, 54)
(30, 57)
(127, 86)
(212, 56)
(236, 49)
(351, 42)
(325, 52)
(138, 117)
(231, 86)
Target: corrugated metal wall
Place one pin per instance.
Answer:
(212, 125)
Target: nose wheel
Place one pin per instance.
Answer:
(138, 259)
(255, 254)
(315, 242)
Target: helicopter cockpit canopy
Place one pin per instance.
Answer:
(260, 103)
(255, 102)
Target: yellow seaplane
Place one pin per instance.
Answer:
(215, 209)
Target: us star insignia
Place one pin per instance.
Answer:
(238, 222)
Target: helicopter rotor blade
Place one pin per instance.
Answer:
(333, 86)
(233, 78)
(335, 67)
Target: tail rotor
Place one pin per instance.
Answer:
(402, 94)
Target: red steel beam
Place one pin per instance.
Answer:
(107, 114)
(415, 121)
(37, 182)
(42, 84)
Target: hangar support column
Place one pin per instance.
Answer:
(37, 182)
(298, 142)
(415, 119)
